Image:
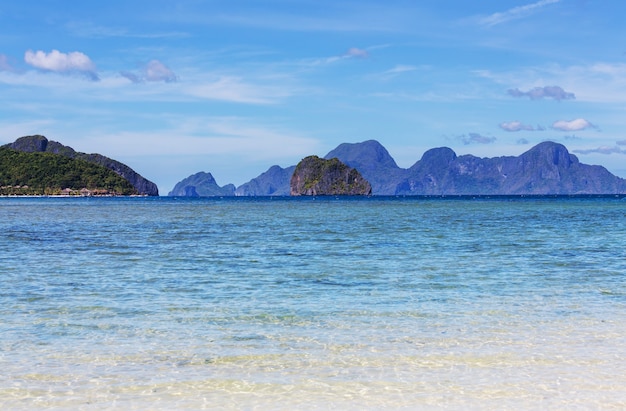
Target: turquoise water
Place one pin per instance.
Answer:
(325, 303)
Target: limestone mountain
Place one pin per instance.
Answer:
(316, 176)
(201, 185)
(40, 144)
(547, 168)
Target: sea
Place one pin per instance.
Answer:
(313, 303)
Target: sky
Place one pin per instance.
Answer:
(172, 88)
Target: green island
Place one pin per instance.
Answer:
(318, 176)
(41, 174)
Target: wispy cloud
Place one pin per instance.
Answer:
(351, 53)
(601, 150)
(237, 90)
(59, 62)
(90, 30)
(154, 70)
(573, 125)
(113, 87)
(208, 136)
(401, 68)
(339, 17)
(475, 138)
(395, 71)
(597, 82)
(515, 13)
(538, 93)
(4, 63)
(356, 52)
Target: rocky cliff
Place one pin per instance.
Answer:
(317, 176)
(38, 143)
(201, 185)
(547, 168)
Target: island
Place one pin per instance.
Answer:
(33, 165)
(317, 176)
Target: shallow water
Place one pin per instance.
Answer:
(325, 303)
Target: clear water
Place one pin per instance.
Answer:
(281, 304)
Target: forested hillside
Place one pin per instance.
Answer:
(38, 173)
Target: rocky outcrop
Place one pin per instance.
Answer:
(317, 176)
(201, 185)
(38, 143)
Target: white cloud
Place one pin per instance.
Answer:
(573, 125)
(157, 71)
(61, 62)
(196, 86)
(515, 13)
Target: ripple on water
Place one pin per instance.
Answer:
(286, 304)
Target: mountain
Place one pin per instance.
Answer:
(315, 176)
(201, 185)
(40, 173)
(40, 144)
(547, 168)
(373, 162)
(274, 182)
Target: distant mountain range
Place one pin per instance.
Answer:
(38, 174)
(547, 168)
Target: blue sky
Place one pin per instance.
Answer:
(233, 87)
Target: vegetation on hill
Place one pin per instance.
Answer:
(318, 176)
(39, 173)
(39, 143)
